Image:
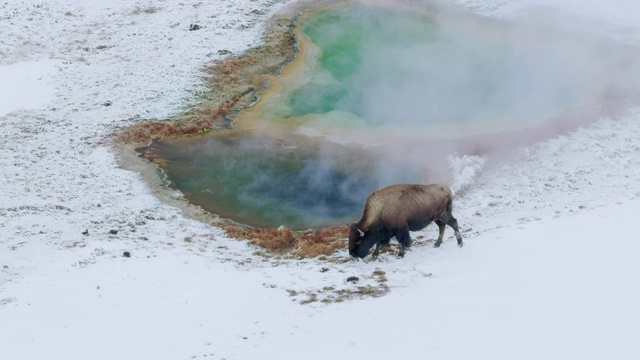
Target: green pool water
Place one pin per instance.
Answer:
(363, 106)
(390, 67)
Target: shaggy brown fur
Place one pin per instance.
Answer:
(395, 210)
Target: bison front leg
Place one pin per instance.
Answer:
(404, 238)
(376, 251)
(441, 227)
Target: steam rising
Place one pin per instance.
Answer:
(430, 95)
(461, 84)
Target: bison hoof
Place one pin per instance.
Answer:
(460, 243)
(436, 245)
(400, 256)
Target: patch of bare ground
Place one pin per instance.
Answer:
(331, 294)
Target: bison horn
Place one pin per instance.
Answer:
(361, 232)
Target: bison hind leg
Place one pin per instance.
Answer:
(454, 224)
(441, 227)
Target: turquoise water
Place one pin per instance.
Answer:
(395, 67)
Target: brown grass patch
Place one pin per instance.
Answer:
(198, 122)
(323, 241)
(278, 240)
(378, 272)
(307, 244)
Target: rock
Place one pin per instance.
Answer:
(107, 103)
(224, 52)
(86, 232)
(113, 232)
(353, 279)
(126, 254)
(194, 27)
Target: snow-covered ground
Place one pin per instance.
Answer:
(547, 270)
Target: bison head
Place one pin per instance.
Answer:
(358, 244)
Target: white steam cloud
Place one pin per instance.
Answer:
(503, 83)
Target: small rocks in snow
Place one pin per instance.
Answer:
(126, 254)
(107, 103)
(224, 52)
(353, 279)
(113, 232)
(194, 27)
(86, 232)
(324, 269)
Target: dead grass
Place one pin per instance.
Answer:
(278, 240)
(378, 272)
(325, 241)
(380, 276)
(200, 121)
(330, 295)
(307, 244)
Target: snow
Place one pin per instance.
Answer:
(553, 289)
(616, 18)
(25, 85)
(547, 270)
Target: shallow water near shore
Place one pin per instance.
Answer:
(381, 95)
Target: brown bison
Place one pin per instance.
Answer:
(397, 209)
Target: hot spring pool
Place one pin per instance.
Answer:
(381, 95)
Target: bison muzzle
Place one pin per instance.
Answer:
(395, 210)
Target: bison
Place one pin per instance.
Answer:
(397, 209)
